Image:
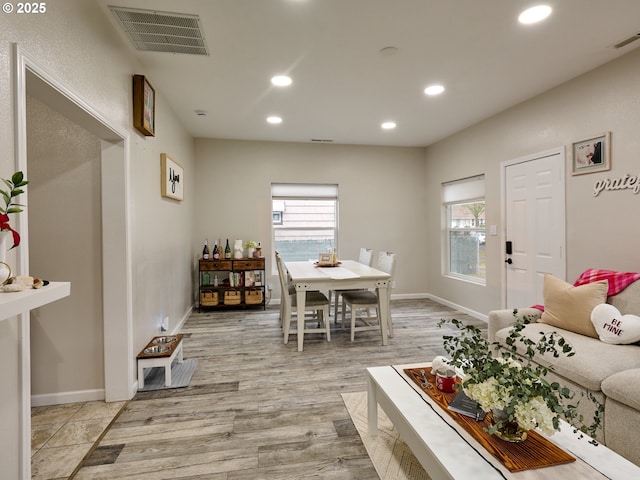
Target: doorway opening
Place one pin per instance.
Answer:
(116, 292)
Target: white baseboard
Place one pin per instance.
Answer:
(60, 398)
(182, 321)
(418, 296)
(409, 296)
(472, 313)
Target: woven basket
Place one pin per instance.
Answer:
(232, 297)
(253, 296)
(208, 298)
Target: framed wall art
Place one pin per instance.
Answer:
(144, 106)
(592, 155)
(172, 178)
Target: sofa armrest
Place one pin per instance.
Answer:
(499, 319)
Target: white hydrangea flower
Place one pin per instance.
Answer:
(535, 413)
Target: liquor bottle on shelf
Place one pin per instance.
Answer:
(227, 251)
(216, 252)
(205, 250)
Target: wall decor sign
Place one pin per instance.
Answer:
(592, 155)
(628, 182)
(144, 106)
(172, 178)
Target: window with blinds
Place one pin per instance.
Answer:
(304, 219)
(464, 211)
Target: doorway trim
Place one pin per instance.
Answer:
(119, 368)
(503, 206)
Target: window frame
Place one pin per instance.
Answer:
(295, 191)
(455, 194)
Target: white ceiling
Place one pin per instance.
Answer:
(343, 88)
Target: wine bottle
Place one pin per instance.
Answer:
(216, 252)
(227, 250)
(205, 250)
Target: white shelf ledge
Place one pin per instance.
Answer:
(15, 303)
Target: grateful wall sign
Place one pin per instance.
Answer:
(628, 182)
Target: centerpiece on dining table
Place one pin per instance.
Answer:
(329, 259)
(512, 387)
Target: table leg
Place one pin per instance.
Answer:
(383, 307)
(301, 300)
(372, 407)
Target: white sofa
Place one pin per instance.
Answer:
(610, 372)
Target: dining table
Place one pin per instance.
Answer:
(345, 275)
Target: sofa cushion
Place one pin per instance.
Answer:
(624, 387)
(613, 327)
(593, 362)
(569, 307)
(628, 300)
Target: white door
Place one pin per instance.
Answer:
(534, 214)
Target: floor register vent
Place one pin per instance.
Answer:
(153, 31)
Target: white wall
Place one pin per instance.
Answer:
(381, 195)
(601, 231)
(65, 241)
(76, 43)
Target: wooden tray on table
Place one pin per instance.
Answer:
(535, 452)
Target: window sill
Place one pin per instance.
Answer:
(466, 279)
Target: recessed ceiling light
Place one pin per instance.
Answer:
(534, 14)
(281, 81)
(434, 90)
(274, 120)
(388, 125)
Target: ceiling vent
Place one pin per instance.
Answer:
(627, 41)
(153, 31)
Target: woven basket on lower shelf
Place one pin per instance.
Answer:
(208, 298)
(253, 296)
(232, 297)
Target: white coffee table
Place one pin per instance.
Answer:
(445, 454)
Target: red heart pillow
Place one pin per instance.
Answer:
(613, 327)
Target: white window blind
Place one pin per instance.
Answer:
(464, 189)
(303, 190)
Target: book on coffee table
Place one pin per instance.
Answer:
(462, 404)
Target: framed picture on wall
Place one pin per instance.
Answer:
(144, 106)
(592, 155)
(172, 178)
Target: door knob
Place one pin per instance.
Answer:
(509, 261)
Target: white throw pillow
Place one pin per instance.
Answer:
(613, 327)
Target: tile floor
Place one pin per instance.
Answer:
(61, 436)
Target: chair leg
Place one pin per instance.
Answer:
(286, 326)
(327, 320)
(286, 323)
(354, 314)
(344, 313)
(335, 306)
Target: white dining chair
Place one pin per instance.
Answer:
(316, 303)
(365, 257)
(367, 300)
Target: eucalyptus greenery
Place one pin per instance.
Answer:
(14, 186)
(498, 377)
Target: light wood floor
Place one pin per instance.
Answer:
(258, 409)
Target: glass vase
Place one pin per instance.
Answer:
(508, 431)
